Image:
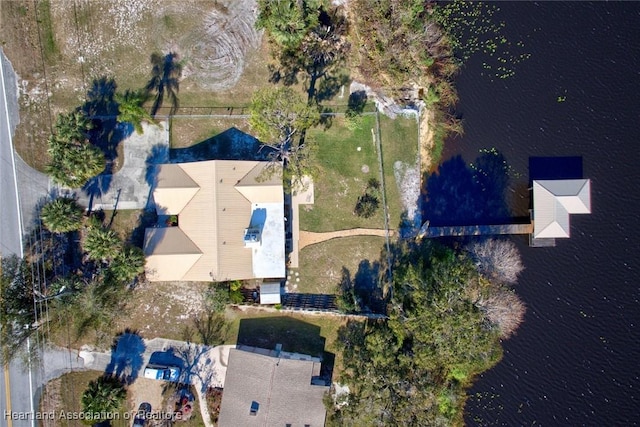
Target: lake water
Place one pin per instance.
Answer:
(576, 359)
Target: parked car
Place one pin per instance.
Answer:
(140, 420)
(161, 372)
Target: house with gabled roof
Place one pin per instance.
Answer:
(272, 388)
(219, 220)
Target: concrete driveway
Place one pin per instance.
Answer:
(129, 188)
(203, 366)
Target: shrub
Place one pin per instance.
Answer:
(367, 205)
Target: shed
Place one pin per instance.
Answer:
(270, 293)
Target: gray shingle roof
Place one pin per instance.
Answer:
(281, 387)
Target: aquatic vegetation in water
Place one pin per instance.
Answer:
(472, 28)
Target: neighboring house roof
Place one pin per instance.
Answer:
(554, 201)
(215, 202)
(281, 387)
(270, 293)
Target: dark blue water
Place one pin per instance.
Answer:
(576, 359)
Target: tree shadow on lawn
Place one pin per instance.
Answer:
(232, 144)
(459, 194)
(127, 358)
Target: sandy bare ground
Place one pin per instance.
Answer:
(309, 238)
(146, 390)
(426, 141)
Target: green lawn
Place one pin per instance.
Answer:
(311, 334)
(322, 264)
(342, 178)
(399, 140)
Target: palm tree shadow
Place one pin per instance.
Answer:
(107, 133)
(101, 107)
(165, 81)
(127, 359)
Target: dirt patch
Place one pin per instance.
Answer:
(408, 180)
(146, 390)
(426, 142)
(163, 309)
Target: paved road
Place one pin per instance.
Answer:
(27, 384)
(10, 217)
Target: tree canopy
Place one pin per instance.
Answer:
(412, 369)
(127, 264)
(280, 118)
(399, 43)
(16, 305)
(101, 243)
(287, 21)
(131, 110)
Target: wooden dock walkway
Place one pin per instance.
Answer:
(473, 230)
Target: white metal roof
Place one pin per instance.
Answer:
(270, 293)
(554, 201)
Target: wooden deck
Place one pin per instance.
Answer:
(473, 230)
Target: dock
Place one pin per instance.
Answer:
(429, 232)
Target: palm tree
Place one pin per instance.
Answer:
(104, 395)
(127, 264)
(131, 110)
(101, 243)
(165, 80)
(61, 215)
(74, 163)
(73, 159)
(72, 126)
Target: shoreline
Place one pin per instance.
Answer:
(426, 140)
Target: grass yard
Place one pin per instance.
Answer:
(342, 177)
(399, 141)
(65, 394)
(322, 264)
(307, 334)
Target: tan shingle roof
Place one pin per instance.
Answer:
(214, 215)
(170, 253)
(174, 188)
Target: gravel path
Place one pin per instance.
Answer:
(310, 238)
